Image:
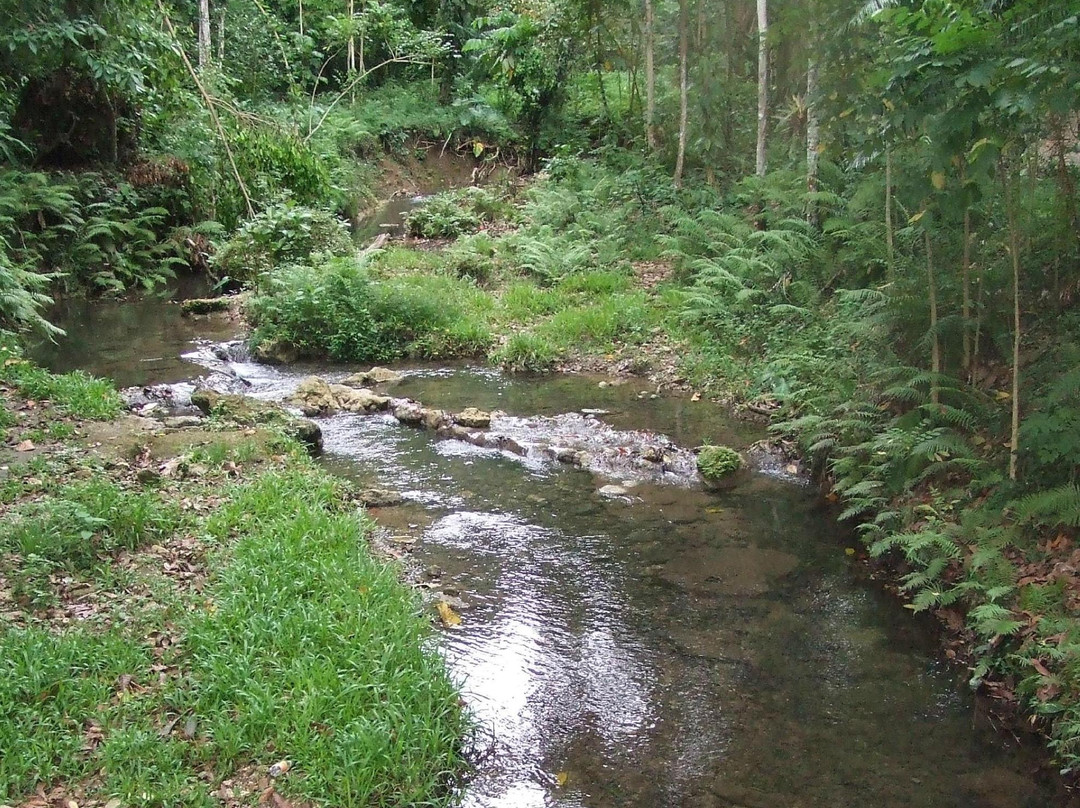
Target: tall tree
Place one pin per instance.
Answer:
(650, 76)
(684, 57)
(204, 34)
(763, 84)
(813, 119)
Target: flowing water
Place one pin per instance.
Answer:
(670, 647)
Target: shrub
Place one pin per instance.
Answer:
(718, 463)
(455, 213)
(527, 352)
(282, 233)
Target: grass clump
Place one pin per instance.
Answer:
(76, 394)
(717, 463)
(76, 529)
(315, 650)
(527, 352)
(334, 308)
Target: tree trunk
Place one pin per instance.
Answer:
(684, 37)
(650, 77)
(350, 59)
(763, 84)
(301, 2)
(1014, 248)
(965, 277)
(889, 237)
(204, 34)
(221, 37)
(813, 135)
(935, 349)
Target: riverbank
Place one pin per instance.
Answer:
(612, 273)
(190, 614)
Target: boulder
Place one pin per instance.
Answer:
(373, 377)
(408, 412)
(308, 433)
(314, 396)
(275, 352)
(353, 400)
(473, 418)
(434, 419)
(379, 498)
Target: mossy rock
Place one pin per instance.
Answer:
(246, 411)
(204, 305)
(720, 466)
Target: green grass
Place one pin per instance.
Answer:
(77, 394)
(301, 646)
(87, 520)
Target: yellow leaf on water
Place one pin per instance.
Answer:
(447, 614)
(849, 551)
(714, 510)
(561, 778)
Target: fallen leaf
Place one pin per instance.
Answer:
(561, 778)
(447, 614)
(849, 551)
(25, 446)
(696, 397)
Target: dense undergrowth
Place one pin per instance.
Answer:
(163, 633)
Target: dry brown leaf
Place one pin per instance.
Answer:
(25, 446)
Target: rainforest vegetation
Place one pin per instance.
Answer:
(858, 217)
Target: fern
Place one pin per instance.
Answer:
(1054, 507)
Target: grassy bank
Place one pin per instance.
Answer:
(181, 610)
(735, 293)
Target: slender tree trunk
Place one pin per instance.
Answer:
(301, 2)
(890, 249)
(763, 84)
(684, 48)
(935, 349)
(221, 37)
(204, 34)
(598, 58)
(1014, 248)
(965, 276)
(350, 59)
(813, 134)
(650, 76)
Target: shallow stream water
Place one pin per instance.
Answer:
(668, 648)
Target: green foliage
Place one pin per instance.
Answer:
(455, 213)
(527, 352)
(77, 394)
(283, 233)
(718, 463)
(86, 521)
(333, 308)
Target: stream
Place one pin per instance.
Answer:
(670, 647)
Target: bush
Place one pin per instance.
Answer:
(527, 352)
(455, 213)
(718, 463)
(332, 308)
(284, 232)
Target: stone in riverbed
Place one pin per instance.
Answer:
(314, 396)
(473, 418)
(354, 400)
(275, 352)
(612, 491)
(434, 419)
(375, 376)
(408, 412)
(379, 498)
(182, 421)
